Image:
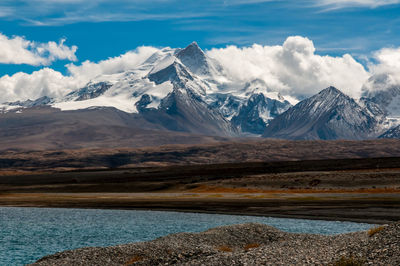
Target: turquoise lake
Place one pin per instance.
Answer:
(27, 234)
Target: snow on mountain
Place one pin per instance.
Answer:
(260, 107)
(186, 90)
(90, 91)
(29, 103)
(255, 114)
(177, 73)
(250, 108)
(123, 94)
(163, 90)
(198, 62)
(154, 78)
(164, 63)
(393, 133)
(184, 108)
(329, 114)
(188, 76)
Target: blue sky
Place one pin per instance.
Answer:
(108, 28)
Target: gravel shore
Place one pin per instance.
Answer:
(246, 244)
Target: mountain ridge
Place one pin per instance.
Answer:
(181, 90)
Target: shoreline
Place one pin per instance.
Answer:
(295, 217)
(350, 210)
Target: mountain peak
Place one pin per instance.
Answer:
(330, 97)
(193, 47)
(328, 115)
(191, 51)
(194, 44)
(195, 59)
(330, 90)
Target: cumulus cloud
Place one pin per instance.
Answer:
(89, 70)
(292, 68)
(18, 50)
(45, 82)
(384, 70)
(388, 60)
(48, 82)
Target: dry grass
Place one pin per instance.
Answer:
(224, 249)
(94, 154)
(215, 196)
(215, 189)
(251, 245)
(134, 259)
(242, 190)
(375, 230)
(20, 172)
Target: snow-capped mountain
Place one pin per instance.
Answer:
(329, 114)
(185, 90)
(182, 90)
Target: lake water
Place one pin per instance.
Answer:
(27, 234)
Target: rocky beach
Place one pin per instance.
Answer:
(246, 244)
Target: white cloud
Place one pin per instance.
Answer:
(89, 70)
(48, 82)
(337, 4)
(292, 68)
(388, 60)
(45, 82)
(385, 70)
(47, 12)
(18, 50)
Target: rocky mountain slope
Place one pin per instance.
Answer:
(46, 128)
(328, 115)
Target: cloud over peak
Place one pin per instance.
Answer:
(292, 68)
